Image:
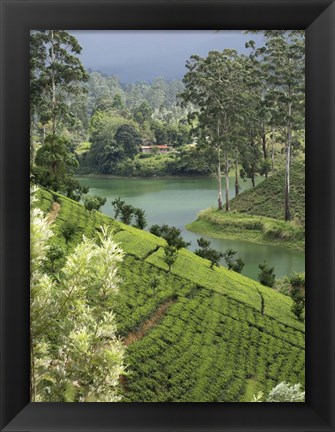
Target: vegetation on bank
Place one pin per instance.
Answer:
(257, 229)
(267, 198)
(257, 214)
(219, 330)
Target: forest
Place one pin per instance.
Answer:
(125, 311)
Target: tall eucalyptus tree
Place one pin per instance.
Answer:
(284, 59)
(56, 72)
(215, 85)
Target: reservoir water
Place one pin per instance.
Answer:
(177, 201)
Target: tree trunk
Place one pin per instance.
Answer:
(287, 170)
(227, 180)
(265, 152)
(219, 178)
(287, 181)
(237, 186)
(273, 152)
(53, 84)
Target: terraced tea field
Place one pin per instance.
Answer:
(192, 334)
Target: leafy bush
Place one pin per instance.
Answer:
(282, 392)
(297, 280)
(234, 263)
(283, 286)
(127, 211)
(207, 252)
(286, 393)
(266, 276)
(171, 234)
(144, 155)
(68, 229)
(54, 258)
(75, 354)
(141, 221)
(298, 295)
(93, 202)
(170, 255)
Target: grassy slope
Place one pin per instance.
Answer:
(212, 343)
(258, 229)
(267, 198)
(257, 214)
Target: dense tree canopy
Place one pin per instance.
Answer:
(216, 86)
(56, 74)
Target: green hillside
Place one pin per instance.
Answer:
(257, 214)
(267, 198)
(194, 334)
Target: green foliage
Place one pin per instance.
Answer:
(297, 280)
(172, 235)
(203, 243)
(298, 295)
(127, 212)
(128, 139)
(55, 74)
(68, 229)
(233, 262)
(105, 152)
(142, 113)
(170, 255)
(55, 162)
(258, 229)
(54, 258)
(266, 276)
(116, 130)
(284, 392)
(281, 61)
(217, 86)
(207, 252)
(267, 198)
(140, 219)
(117, 103)
(251, 160)
(154, 283)
(93, 202)
(75, 353)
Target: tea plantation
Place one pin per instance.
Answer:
(192, 334)
(267, 198)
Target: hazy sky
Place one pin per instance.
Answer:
(146, 54)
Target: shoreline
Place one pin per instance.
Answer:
(239, 227)
(111, 176)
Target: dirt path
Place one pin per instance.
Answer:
(55, 209)
(149, 323)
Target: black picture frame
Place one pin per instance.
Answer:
(18, 17)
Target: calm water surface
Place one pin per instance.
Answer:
(177, 201)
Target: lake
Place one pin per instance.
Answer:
(177, 201)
